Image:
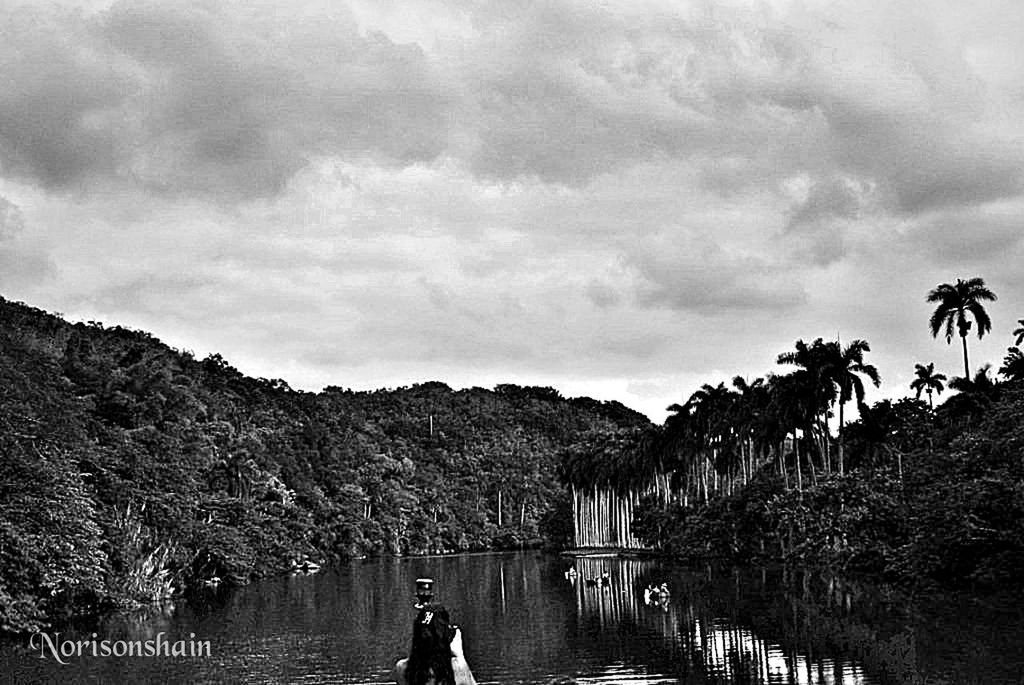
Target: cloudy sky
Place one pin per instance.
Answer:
(621, 200)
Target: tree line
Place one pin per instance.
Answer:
(909, 490)
(132, 472)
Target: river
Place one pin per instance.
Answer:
(525, 622)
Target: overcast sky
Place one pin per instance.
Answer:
(621, 200)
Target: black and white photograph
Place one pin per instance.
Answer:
(512, 342)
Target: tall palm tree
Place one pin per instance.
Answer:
(682, 447)
(928, 381)
(710, 408)
(1019, 332)
(750, 406)
(790, 406)
(773, 421)
(815, 361)
(844, 370)
(955, 302)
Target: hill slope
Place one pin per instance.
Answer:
(131, 470)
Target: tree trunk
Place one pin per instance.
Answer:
(814, 471)
(704, 478)
(826, 459)
(841, 405)
(575, 518)
(782, 464)
(967, 368)
(799, 472)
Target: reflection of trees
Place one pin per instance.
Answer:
(521, 616)
(723, 628)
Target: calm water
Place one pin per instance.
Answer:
(524, 622)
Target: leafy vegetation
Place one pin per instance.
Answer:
(130, 472)
(909, 491)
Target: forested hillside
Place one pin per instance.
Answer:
(130, 471)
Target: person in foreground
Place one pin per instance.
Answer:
(436, 656)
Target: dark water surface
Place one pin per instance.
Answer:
(525, 622)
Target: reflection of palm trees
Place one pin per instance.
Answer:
(707, 646)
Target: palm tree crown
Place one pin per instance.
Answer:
(845, 367)
(1019, 332)
(928, 381)
(1013, 364)
(847, 364)
(955, 302)
(976, 395)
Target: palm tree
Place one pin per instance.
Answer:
(790, 406)
(928, 381)
(750, 408)
(873, 432)
(815, 361)
(843, 370)
(976, 395)
(1013, 364)
(773, 421)
(955, 302)
(710, 408)
(1019, 332)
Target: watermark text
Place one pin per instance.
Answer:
(61, 649)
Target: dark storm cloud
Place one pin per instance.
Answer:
(213, 99)
(207, 99)
(703, 278)
(561, 190)
(816, 226)
(60, 83)
(969, 237)
(568, 91)
(922, 163)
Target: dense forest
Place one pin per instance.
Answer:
(913, 491)
(131, 472)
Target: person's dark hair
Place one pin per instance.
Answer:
(430, 659)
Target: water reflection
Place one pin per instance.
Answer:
(709, 648)
(526, 622)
